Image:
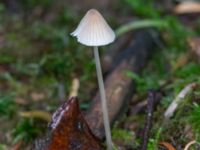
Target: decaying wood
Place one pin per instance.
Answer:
(69, 130)
(119, 87)
(109, 56)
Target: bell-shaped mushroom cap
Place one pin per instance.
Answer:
(93, 30)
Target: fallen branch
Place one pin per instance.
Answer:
(109, 56)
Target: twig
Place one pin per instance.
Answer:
(181, 96)
(189, 144)
(74, 88)
(150, 106)
(36, 114)
(141, 106)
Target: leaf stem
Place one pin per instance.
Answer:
(140, 24)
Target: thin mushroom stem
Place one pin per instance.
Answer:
(103, 99)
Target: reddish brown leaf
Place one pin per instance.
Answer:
(17, 146)
(70, 130)
(167, 145)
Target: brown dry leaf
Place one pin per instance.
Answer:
(37, 96)
(70, 130)
(187, 7)
(17, 146)
(194, 44)
(181, 61)
(21, 101)
(167, 145)
(188, 132)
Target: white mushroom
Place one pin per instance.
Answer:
(94, 31)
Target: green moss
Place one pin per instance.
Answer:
(7, 106)
(145, 8)
(194, 119)
(120, 134)
(25, 130)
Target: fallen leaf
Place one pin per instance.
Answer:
(69, 130)
(21, 101)
(17, 146)
(180, 62)
(167, 145)
(37, 96)
(187, 7)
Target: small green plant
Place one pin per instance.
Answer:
(191, 70)
(153, 142)
(25, 130)
(124, 135)
(144, 82)
(3, 147)
(28, 5)
(144, 8)
(7, 106)
(194, 118)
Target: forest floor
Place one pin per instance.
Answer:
(39, 62)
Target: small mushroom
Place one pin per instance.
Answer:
(94, 31)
